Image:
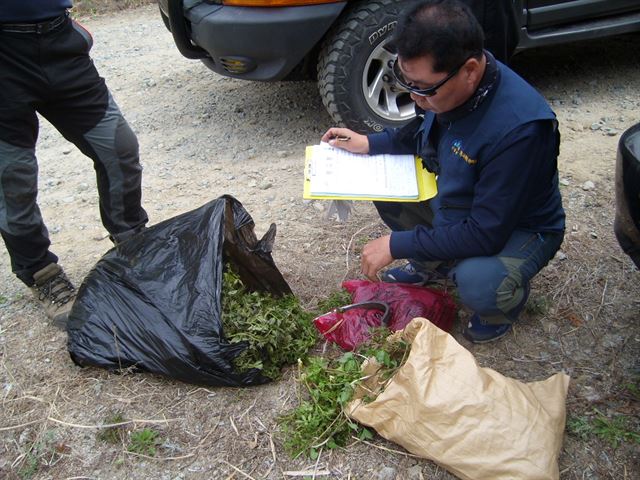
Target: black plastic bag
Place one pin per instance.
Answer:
(153, 302)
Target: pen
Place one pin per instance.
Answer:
(341, 138)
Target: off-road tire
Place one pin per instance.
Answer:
(342, 59)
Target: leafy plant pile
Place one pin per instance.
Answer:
(319, 421)
(278, 330)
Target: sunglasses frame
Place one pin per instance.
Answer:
(424, 92)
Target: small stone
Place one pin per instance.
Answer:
(318, 206)
(565, 182)
(66, 151)
(253, 183)
(561, 255)
(588, 185)
(415, 473)
(265, 185)
(595, 126)
(149, 82)
(282, 153)
(387, 473)
(593, 235)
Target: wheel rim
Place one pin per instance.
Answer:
(384, 97)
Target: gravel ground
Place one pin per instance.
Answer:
(202, 136)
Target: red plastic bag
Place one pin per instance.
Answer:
(350, 329)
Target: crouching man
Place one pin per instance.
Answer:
(493, 143)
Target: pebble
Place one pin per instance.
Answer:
(66, 151)
(561, 255)
(593, 235)
(265, 185)
(387, 473)
(565, 182)
(415, 473)
(318, 206)
(588, 185)
(595, 126)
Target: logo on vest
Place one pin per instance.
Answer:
(456, 149)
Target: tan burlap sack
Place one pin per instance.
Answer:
(473, 421)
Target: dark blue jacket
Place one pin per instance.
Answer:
(31, 11)
(497, 172)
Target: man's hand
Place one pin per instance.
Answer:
(347, 140)
(375, 255)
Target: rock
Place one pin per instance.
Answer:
(595, 126)
(387, 473)
(565, 182)
(588, 185)
(318, 206)
(593, 235)
(66, 151)
(561, 255)
(253, 183)
(52, 182)
(265, 185)
(415, 473)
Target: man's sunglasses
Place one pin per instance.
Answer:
(422, 92)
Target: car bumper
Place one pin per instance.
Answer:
(255, 43)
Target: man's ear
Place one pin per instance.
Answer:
(474, 70)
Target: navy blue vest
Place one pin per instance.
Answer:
(469, 141)
(31, 11)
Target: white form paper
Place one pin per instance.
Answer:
(336, 172)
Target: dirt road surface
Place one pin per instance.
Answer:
(202, 136)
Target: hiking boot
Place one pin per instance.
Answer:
(479, 332)
(55, 292)
(413, 275)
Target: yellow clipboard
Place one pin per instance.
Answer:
(427, 186)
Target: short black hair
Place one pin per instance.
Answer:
(445, 30)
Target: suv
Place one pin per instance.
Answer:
(345, 44)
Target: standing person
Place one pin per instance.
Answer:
(493, 141)
(45, 68)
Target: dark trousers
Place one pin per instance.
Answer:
(51, 73)
(495, 287)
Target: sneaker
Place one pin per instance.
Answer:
(412, 275)
(479, 332)
(55, 292)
